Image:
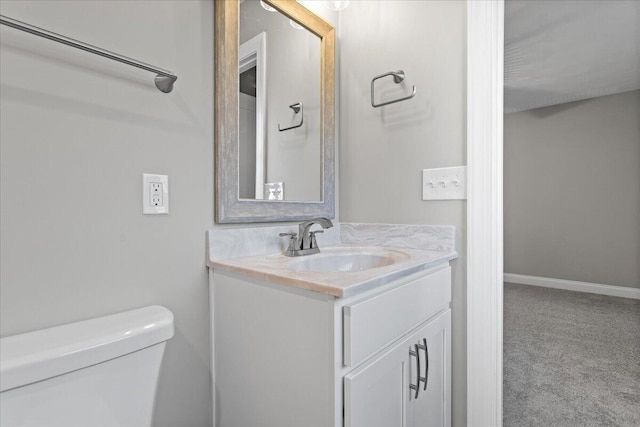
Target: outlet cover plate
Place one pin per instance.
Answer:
(155, 194)
(444, 183)
(274, 191)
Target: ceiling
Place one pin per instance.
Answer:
(559, 51)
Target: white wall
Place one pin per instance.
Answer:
(572, 191)
(383, 150)
(77, 132)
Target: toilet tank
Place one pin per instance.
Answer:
(98, 372)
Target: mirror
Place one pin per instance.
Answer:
(274, 88)
(279, 107)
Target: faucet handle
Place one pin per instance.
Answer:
(291, 234)
(314, 243)
(293, 239)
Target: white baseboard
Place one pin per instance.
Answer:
(571, 285)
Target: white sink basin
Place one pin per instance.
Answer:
(347, 261)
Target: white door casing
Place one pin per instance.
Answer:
(485, 64)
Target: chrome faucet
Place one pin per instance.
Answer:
(304, 241)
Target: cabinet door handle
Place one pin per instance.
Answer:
(425, 347)
(416, 386)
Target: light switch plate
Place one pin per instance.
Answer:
(444, 183)
(155, 194)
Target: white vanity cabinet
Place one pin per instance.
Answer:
(289, 357)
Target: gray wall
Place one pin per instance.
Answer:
(73, 146)
(572, 191)
(383, 150)
(77, 133)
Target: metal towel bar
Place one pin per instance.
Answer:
(164, 79)
(398, 76)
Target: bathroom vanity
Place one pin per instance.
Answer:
(357, 335)
(300, 343)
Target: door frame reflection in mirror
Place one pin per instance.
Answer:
(229, 207)
(253, 53)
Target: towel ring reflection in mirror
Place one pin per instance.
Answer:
(297, 108)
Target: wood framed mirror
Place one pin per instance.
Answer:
(294, 125)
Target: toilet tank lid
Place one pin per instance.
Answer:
(42, 354)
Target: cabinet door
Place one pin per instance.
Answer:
(376, 395)
(382, 393)
(432, 407)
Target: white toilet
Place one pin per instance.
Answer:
(99, 372)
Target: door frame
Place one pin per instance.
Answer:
(253, 53)
(485, 81)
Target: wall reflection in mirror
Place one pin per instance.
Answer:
(280, 127)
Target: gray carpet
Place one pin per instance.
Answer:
(570, 359)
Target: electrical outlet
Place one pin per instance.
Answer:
(274, 190)
(155, 191)
(155, 194)
(444, 183)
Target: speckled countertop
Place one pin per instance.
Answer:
(277, 268)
